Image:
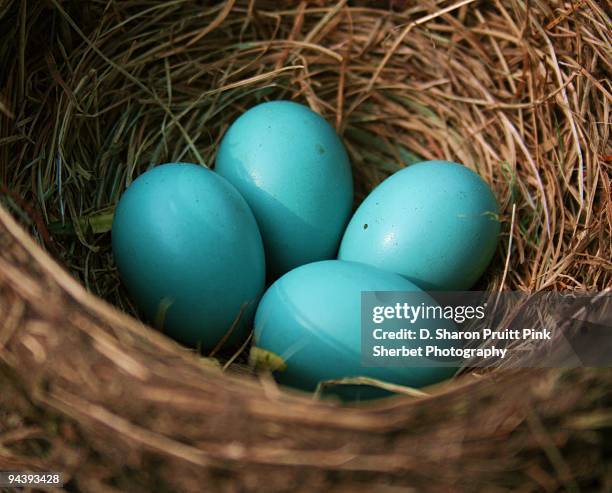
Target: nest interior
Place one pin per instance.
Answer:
(94, 93)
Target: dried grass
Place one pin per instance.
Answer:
(486, 86)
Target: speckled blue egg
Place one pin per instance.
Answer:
(435, 223)
(293, 170)
(311, 318)
(189, 253)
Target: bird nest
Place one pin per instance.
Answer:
(92, 94)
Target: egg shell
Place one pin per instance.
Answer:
(435, 222)
(293, 170)
(311, 318)
(189, 252)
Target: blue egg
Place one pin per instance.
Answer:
(293, 170)
(189, 252)
(435, 223)
(311, 318)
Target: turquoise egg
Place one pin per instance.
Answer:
(189, 253)
(293, 170)
(311, 318)
(435, 223)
